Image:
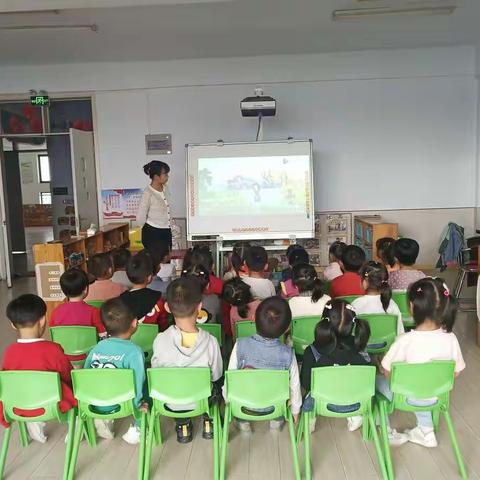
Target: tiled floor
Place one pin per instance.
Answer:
(337, 454)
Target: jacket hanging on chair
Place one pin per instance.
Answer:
(452, 242)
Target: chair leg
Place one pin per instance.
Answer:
(293, 441)
(6, 443)
(141, 450)
(216, 442)
(24, 438)
(223, 458)
(147, 457)
(90, 432)
(304, 424)
(157, 432)
(366, 430)
(300, 429)
(68, 448)
(455, 447)
(386, 445)
(76, 446)
(436, 419)
(459, 283)
(378, 447)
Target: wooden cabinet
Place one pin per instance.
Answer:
(366, 232)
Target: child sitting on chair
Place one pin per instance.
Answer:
(385, 253)
(185, 345)
(256, 260)
(237, 261)
(295, 254)
(103, 288)
(350, 282)
(120, 258)
(118, 351)
(163, 269)
(333, 269)
(32, 352)
(265, 350)
(201, 255)
(74, 285)
(406, 252)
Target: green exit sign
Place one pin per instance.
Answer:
(39, 100)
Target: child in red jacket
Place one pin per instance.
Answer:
(31, 352)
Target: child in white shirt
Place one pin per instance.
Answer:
(256, 260)
(378, 298)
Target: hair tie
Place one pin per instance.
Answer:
(446, 292)
(365, 274)
(419, 289)
(353, 320)
(328, 306)
(349, 307)
(327, 319)
(384, 282)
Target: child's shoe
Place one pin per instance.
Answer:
(207, 433)
(104, 428)
(184, 432)
(312, 424)
(276, 424)
(395, 438)
(424, 436)
(354, 423)
(133, 435)
(243, 426)
(36, 431)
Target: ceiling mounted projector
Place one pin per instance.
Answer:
(259, 105)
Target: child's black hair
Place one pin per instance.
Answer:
(430, 298)
(158, 251)
(120, 258)
(199, 255)
(339, 320)
(155, 167)
(199, 273)
(236, 292)
(73, 282)
(26, 310)
(140, 267)
(385, 250)
(305, 278)
(238, 255)
(376, 276)
(406, 251)
(256, 258)
(116, 316)
(273, 317)
(184, 294)
(336, 249)
(99, 265)
(353, 258)
(297, 254)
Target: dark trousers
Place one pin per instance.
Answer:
(152, 235)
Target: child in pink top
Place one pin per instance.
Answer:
(101, 267)
(333, 269)
(237, 293)
(295, 254)
(406, 252)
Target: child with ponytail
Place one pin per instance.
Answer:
(310, 300)
(433, 310)
(378, 297)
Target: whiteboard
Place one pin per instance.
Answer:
(254, 190)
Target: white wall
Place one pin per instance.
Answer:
(30, 191)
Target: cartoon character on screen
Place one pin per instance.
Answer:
(256, 193)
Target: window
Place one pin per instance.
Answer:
(43, 169)
(45, 198)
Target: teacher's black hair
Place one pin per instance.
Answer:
(155, 167)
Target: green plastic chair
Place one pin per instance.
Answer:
(348, 298)
(214, 329)
(104, 388)
(144, 337)
(417, 381)
(303, 332)
(245, 329)
(257, 389)
(96, 303)
(75, 340)
(29, 390)
(383, 331)
(342, 385)
(401, 299)
(327, 285)
(180, 386)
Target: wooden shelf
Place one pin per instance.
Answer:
(367, 230)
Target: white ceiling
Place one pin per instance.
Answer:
(174, 29)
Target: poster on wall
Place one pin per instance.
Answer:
(26, 172)
(121, 203)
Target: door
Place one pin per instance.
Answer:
(6, 251)
(84, 179)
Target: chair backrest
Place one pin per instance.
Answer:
(401, 299)
(421, 381)
(75, 340)
(104, 387)
(179, 386)
(30, 390)
(248, 390)
(96, 303)
(343, 385)
(383, 331)
(303, 332)
(245, 329)
(144, 337)
(348, 298)
(214, 329)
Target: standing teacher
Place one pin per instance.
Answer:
(154, 210)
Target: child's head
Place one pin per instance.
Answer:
(140, 268)
(27, 314)
(339, 320)
(184, 298)
(120, 258)
(375, 281)
(297, 254)
(353, 258)
(101, 266)
(430, 299)
(238, 255)
(273, 317)
(199, 273)
(238, 293)
(159, 253)
(200, 255)
(74, 283)
(335, 251)
(305, 278)
(385, 250)
(406, 251)
(256, 258)
(118, 319)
